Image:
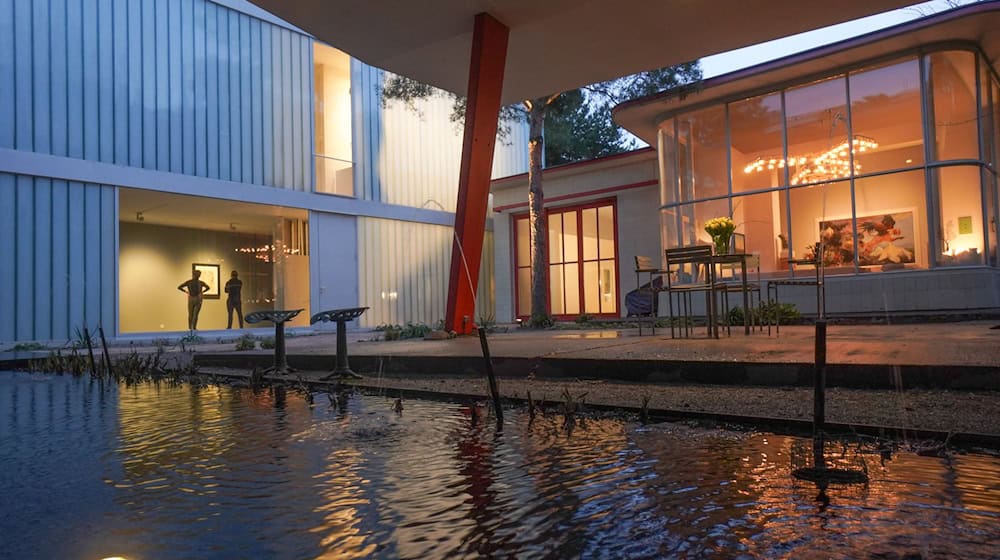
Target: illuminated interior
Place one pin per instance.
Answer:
(332, 99)
(888, 170)
(162, 236)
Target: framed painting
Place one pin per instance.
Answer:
(887, 239)
(210, 276)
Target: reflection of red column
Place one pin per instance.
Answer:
(489, 54)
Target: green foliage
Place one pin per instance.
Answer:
(540, 321)
(28, 347)
(267, 343)
(584, 319)
(191, 339)
(246, 342)
(161, 344)
(80, 339)
(410, 330)
(767, 313)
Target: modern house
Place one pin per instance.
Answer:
(139, 140)
(883, 147)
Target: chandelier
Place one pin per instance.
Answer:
(834, 163)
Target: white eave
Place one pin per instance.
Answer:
(556, 45)
(974, 24)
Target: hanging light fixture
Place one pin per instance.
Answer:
(834, 163)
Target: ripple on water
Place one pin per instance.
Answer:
(95, 470)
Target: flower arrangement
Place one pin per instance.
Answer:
(721, 229)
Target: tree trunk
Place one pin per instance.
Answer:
(536, 215)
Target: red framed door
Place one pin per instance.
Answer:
(582, 248)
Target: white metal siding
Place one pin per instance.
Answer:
(184, 86)
(412, 157)
(58, 253)
(411, 260)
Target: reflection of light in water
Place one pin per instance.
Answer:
(594, 334)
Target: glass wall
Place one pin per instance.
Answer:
(889, 164)
(332, 98)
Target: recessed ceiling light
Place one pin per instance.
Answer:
(909, 161)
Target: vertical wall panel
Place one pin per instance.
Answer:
(7, 107)
(246, 130)
(189, 104)
(148, 69)
(107, 315)
(8, 255)
(77, 257)
(199, 68)
(57, 78)
(90, 77)
(161, 72)
(74, 78)
(233, 67)
(225, 130)
(59, 294)
(120, 66)
(266, 91)
(24, 262)
(23, 97)
(40, 56)
(136, 77)
(174, 110)
(256, 110)
(106, 80)
(212, 130)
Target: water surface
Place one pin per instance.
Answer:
(92, 470)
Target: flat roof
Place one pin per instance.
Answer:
(976, 23)
(556, 45)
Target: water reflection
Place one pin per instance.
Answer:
(160, 471)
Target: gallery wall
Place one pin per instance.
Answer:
(154, 260)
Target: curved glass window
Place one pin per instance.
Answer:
(816, 119)
(953, 102)
(756, 143)
(885, 109)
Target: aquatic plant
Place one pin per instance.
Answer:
(267, 343)
(246, 342)
(28, 347)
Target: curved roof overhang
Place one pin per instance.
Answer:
(977, 24)
(556, 45)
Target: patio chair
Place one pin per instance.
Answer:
(689, 270)
(729, 281)
(817, 281)
(645, 265)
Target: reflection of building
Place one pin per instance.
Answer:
(139, 139)
(884, 145)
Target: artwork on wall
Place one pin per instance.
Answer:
(210, 276)
(886, 238)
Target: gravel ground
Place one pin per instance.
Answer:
(958, 411)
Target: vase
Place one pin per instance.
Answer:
(721, 244)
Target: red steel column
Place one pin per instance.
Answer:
(489, 54)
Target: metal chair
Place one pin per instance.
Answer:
(645, 265)
(689, 270)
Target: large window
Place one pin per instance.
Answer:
(332, 84)
(582, 269)
(888, 164)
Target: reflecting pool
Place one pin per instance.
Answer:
(95, 470)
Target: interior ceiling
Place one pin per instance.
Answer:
(555, 45)
(176, 210)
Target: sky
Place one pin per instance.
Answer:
(763, 52)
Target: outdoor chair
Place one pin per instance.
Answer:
(645, 266)
(728, 281)
(816, 281)
(688, 271)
